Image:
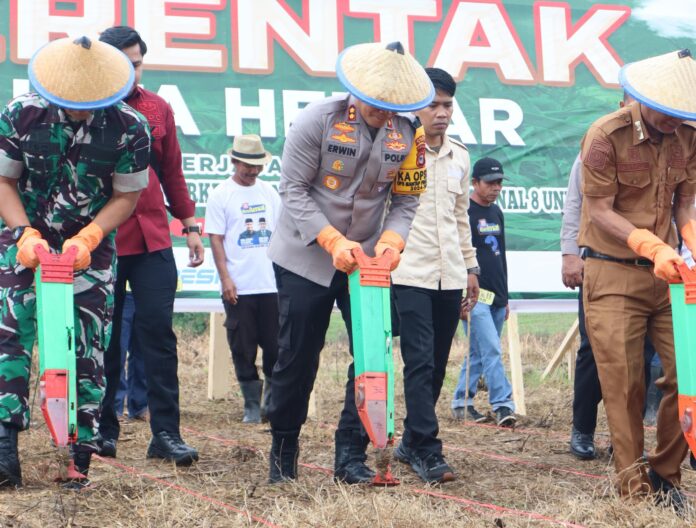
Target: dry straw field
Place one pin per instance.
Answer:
(507, 478)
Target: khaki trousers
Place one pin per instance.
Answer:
(622, 303)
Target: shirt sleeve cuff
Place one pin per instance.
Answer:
(570, 247)
(600, 190)
(135, 181)
(471, 263)
(311, 229)
(686, 189)
(10, 168)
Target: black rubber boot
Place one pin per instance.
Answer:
(283, 459)
(653, 397)
(266, 401)
(10, 471)
(251, 390)
(349, 464)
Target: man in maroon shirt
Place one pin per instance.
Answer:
(146, 261)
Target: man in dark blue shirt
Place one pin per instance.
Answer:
(492, 309)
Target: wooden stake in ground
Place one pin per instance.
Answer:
(219, 359)
(515, 353)
(468, 362)
(565, 348)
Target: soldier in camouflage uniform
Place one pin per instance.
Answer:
(73, 160)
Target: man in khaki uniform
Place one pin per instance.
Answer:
(639, 172)
(352, 171)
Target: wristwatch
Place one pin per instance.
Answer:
(191, 229)
(474, 271)
(18, 231)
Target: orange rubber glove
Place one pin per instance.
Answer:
(393, 241)
(26, 247)
(86, 241)
(339, 247)
(665, 257)
(688, 233)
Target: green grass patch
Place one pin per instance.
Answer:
(536, 324)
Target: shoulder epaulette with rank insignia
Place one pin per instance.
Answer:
(614, 121)
(412, 120)
(457, 142)
(352, 114)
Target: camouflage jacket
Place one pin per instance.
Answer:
(67, 171)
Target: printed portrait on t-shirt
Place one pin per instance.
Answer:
(256, 233)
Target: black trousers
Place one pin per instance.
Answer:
(252, 323)
(304, 313)
(587, 392)
(428, 320)
(152, 278)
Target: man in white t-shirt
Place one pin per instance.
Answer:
(241, 215)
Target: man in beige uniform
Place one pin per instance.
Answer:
(351, 175)
(438, 263)
(639, 171)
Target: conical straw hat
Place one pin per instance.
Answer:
(81, 74)
(384, 76)
(666, 83)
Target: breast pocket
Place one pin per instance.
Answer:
(674, 178)
(98, 160)
(632, 186)
(338, 174)
(385, 177)
(454, 185)
(41, 154)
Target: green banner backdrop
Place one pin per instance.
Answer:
(532, 75)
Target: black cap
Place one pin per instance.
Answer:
(488, 170)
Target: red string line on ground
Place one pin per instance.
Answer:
(537, 465)
(523, 430)
(514, 460)
(234, 443)
(469, 504)
(183, 489)
(512, 512)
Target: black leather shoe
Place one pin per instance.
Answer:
(582, 445)
(170, 446)
(107, 448)
(10, 471)
(668, 495)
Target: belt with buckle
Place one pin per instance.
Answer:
(589, 253)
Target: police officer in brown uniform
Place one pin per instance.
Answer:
(639, 172)
(351, 175)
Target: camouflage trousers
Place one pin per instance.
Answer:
(93, 312)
